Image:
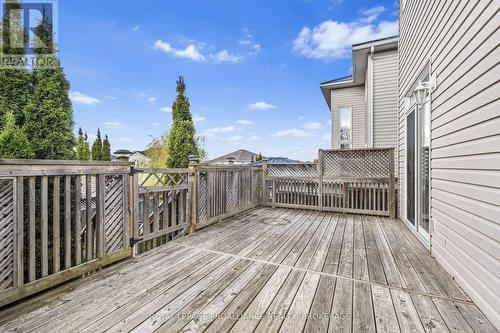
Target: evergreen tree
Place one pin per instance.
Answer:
(87, 147)
(258, 158)
(106, 149)
(182, 142)
(15, 88)
(13, 140)
(82, 146)
(96, 153)
(49, 114)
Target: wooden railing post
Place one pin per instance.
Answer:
(320, 179)
(265, 196)
(134, 194)
(392, 190)
(193, 193)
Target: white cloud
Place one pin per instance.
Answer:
(235, 138)
(78, 97)
(136, 28)
(260, 106)
(191, 51)
(313, 125)
(371, 14)
(254, 137)
(245, 122)
(125, 139)
(293, 132)
(166, 109)
(112, 124)
(225, 56)
(333, 40)
(223, 129)
(198, 118)
(152, 99)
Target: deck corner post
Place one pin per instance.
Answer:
(320, 179)
(392, 190)
(265, 197)
(134, 195)
(193, 193)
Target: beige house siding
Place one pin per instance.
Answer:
(460, 40)
(385, 99)
(355, 98)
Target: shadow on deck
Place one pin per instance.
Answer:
(266, 270)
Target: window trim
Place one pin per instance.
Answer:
(340, 127)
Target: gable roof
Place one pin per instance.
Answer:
(241, 155)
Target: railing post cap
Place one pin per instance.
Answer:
(193, 159)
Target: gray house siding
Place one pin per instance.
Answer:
(355, 98)
(460, 41)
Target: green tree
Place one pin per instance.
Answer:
(13, 140)
(96, 154)
(106, 149)
(49, 114)
(258, 158)
(15, 87)
(157, 151)
(181, 140)
(82, 146)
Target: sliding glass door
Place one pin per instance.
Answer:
(418, 167)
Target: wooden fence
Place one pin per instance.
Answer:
(351, 181)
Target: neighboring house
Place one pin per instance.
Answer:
(240, 156)
(277, 160)
(364, 105)
(449, 139)
(137, 157)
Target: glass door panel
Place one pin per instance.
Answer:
(410, 167)
(424, 168)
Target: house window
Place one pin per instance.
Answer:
(345, 113)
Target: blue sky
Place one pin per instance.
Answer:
(252, 68)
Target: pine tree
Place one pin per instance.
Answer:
(87, 147)
(49, 114)
(182, 142)
(13, 140)
(15, 87)
(96, 153)
(82, 146)
(106, 149)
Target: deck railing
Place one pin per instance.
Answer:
(59, 220)
(62, 219)
(351, 181)
(161, 205)
(224, 191)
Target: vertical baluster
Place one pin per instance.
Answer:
(89, 243)
(78, 220)
(56, 245)
(32, 235)
(45, 224)
(156, 214)
(165, 210)
(145, 213)
(99, 220)
(19, 234)
(174, 208)
(67, 222)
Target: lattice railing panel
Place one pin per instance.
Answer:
(292, 170)
(6, 234)
(358, 163)
(113, 210)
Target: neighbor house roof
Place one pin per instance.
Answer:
(359, 64)
(241, 155)
(278, 160)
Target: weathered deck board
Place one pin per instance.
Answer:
(299, 271)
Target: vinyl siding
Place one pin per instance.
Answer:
(355, 98)
(385, 99)
(460, 39)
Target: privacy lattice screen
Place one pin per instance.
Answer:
(367, 163)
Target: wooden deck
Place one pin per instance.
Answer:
(267, 270)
